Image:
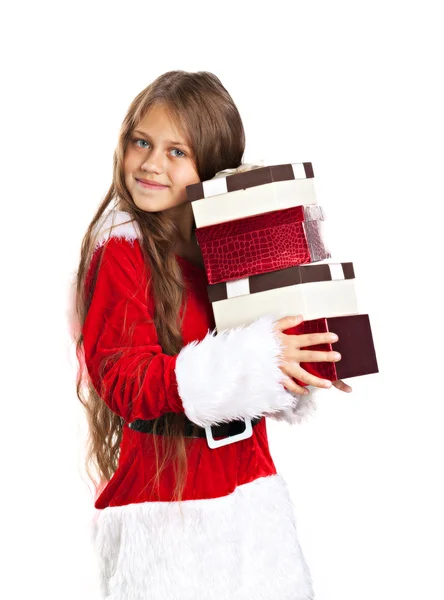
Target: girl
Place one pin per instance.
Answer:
(176, 518)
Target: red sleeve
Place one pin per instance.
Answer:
(140, 383)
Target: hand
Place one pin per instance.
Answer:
(340, 385)
(292, 356)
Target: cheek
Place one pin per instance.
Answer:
(128, 163)
(188, 174)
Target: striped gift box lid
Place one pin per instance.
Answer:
(246, 179)
(277, 279)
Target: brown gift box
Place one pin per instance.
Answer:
(355, 344)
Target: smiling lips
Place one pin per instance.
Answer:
(149, 184)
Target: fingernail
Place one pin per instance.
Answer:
(337, 356)
(333, 337)
(327, 383)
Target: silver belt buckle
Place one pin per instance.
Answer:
(231, 439)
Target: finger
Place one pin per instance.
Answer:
(294, 369)
(292, 386)
(340, 385)
(313, 339)
(288, 322)
(306, 356)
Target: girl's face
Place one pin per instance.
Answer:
(158, 152)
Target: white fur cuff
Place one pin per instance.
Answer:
(303, 407)
(233, 375)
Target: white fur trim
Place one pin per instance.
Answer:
(303, 407)
(114, 223)
(233, 375)
(242, 546)
(71, 312)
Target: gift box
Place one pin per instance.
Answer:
(262, 243)
(355, 344)
(312, 300)
(248, 179)
(261, 237)
(282, 278)
(252, 201)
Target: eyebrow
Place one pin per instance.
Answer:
(142, 133)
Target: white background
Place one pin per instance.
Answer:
(353, 87)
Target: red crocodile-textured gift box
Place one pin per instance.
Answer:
(355, 345)
(262, 243)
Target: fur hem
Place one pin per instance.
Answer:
(236, 547)
(233, 375)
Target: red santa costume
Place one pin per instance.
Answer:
(234, 534)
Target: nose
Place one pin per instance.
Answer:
(153, 161)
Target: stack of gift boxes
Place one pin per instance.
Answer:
(260, 232)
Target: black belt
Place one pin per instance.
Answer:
(191, 429)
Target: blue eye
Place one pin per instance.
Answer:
(183, 153)
(135, 141)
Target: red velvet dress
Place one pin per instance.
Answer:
(211, 473)
(237, 537)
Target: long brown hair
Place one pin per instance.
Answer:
(208, 117)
